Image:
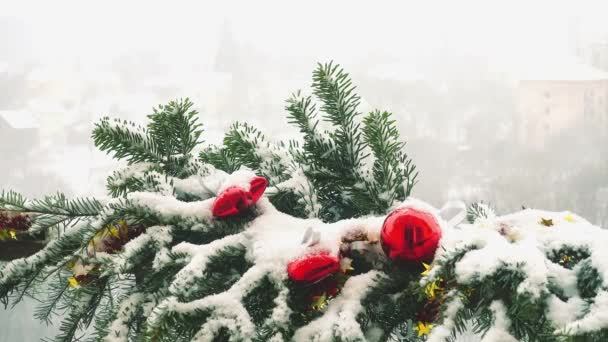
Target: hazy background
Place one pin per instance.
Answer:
(506, 103)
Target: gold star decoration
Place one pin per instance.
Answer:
(431, 288)
(427, 268)
(114, 232)
(319, 302)
(346, 265)
(546, 222)
(570, 218)
(466, 293)
(423, 328)
(73, 282)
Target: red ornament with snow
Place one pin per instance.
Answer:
(234, 200)
(410, 235)
(313, 268)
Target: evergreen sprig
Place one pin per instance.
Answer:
(52, 211)
(172, 133)
(325, 175)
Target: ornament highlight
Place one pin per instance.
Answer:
(410, 235)
(235, 200)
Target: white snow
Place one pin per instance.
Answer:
(500, 327)
(340, 319)
(441, 332)
(185, 280)
(240, 178)
(521, 242)
(157, 236)
(596, 319)
(273, 239)
(136, 170)
(300, 184)
(169, 206)
(119, 329)
(561, 313)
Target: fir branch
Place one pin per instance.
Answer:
(172, 133)
(174, 128)
(333, 86)
(478, 210)
(302, 113)
(21, 273)
(250, 148)
(126, 140)
(56, 289)
(241, 141)
(392, 174)
(51, 211)
(220, 158)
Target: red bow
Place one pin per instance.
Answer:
(313, 268)
(235, 200)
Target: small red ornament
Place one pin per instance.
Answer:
(257, 188)
(313, 268)
(410, 235)
(235, 200)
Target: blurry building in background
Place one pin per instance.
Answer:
(595, 53)
(571, 96)
(20, 130)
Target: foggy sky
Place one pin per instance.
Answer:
(446, 70)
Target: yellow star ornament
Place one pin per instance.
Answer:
(430, 289)
(569, 218)
(73, 282)
(319, 302)
(427, 268)
(423, 328)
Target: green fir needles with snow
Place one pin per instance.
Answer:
(152, 262)
(346, 164)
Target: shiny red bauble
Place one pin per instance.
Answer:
(410, 235)
(235, 200)
(313, 268)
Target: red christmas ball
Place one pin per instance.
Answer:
(313, 268)
(235, 200)
(410, 235)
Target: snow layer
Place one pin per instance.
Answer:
(340, 318)
(443, 331)
(169, 206)
(500, 329)
(274, 239)
(525, 241)
(119, 329)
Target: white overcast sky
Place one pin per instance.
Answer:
(60, 37)
(342, 30)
